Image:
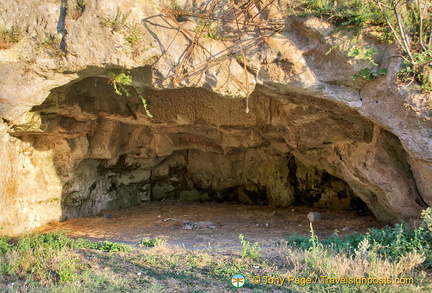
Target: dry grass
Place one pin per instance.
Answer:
(8, 37)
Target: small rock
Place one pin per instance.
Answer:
(313, 216)
(346, 229)
(107, 216)
(204, 224)
(187, 227)
(170, 219)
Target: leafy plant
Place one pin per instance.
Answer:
(140, 92)
(355, 14)
(390, 242)
(408, 23)
(248, 251)
(370, 73)
(366, 53)
(4, 245)
(411, 27)
(152, 242)
(109, 246)
(120, 81)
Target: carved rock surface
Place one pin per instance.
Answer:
(71, 146)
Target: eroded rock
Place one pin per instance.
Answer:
(311, 135)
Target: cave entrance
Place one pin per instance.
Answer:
(197, 147)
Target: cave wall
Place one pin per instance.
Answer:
(109, 154)
(70, 146)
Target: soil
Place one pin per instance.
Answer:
(211, 225)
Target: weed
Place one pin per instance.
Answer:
(152, 242)
(248, 251)
(353, 14)
(56, 263)
(51, 44)
(66, 269)
(140, 92)
(209, 29)
(409, 25)
(370, 73)
(5, 246)
(8, 37)
(363, 53)
(133, 36)
(120, 81)
(109, 246)
(116, 22)
(78, 8)
(393, 243)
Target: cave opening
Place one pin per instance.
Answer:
(197, 147)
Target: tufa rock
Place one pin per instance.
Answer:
(314, 217)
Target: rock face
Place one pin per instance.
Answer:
(72, 146)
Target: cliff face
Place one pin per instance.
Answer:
(254, 106)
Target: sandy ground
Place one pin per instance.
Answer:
(166, 220)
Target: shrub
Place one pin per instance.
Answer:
(152, 242)
(407, 23)
(108, 246)
(4, 245)
(248, 251)
(392, 242)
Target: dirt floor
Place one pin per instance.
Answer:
(211, 225)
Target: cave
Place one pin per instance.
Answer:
(289, 149)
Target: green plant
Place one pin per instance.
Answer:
(248, 251)
(427, 221)
(120, 81)
(353, 14)
(8, 37)
(108, 246)
(370, 73)
(5, 246)
(140, 92)
(411, 27)
(152, 242)
(210, 30)
(363, 53)
(392, 242)
(116, 22)
(66, 269)
(133, 36)
(408, 23)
